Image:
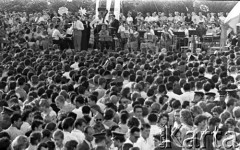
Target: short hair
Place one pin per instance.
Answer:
(134, 129)
(46, 133)
(213, 121)
(137, 106)
(20, 142)
(163, 115)
(79, 122)
(236, 112)
(67, 122)
(217, 109)
(4, 143)
(36, 124)
(86, 109)
(79, 99)
(60, 99)
(15, 117)
(152, 117)
(44, 103)
(230, 102)
(145, 126)
(199, 118)
(224, 116)
(25, 115)
(35, 138)
(71, 145)
(93, 98)
(51, 126)
(231, 121)
(41, 145)
(4, 134)
(108, 114)
(133, 122)
(59, 133)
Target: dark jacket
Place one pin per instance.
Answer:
(83, 146)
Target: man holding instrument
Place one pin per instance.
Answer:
(77, 33)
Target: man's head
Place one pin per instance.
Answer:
(145, 130)
(58, 137)
(67, 124)
(118, 139)
(16, 120)
(200, 121)
(89, 131)
(80, 124)
(134, 134)
(138, 111)
(37, 125)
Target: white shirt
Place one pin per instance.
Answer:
(148, 19)
(75, 66)
(187, 96)
(13, 132)
(143, 144)
(25, 127)
(68, 137)
(129, 20)
(78, 25)
(171, 95)
(195, 19)
(79, 135)
(78, 111)
(154, 130)
(56, 35)
(39, 20)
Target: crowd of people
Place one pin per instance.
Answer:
(63, 86)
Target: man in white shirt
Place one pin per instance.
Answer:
(145, 142)
(79, 102)
(77, 33)
(78, 131)
(67, 126)
(56, 35)
(39, 18)
(195, 18)
(148, 18)
(188, 95)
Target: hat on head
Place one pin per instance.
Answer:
(199, 93)
(210, 94)
(7, 110)
(117, 135)
(99, 135)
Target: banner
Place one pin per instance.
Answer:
(97, 6)
(117, 8)
(229, 24)
(233, 18)
(109, 2)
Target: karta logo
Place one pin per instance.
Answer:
(198, 140)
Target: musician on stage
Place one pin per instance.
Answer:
(77, 33)
(115, 24)
(57, 37)
(86, 32)
(103, 41)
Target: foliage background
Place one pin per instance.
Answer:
(31, 6)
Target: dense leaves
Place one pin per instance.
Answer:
(131, 5)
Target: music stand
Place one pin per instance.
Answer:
(192, 32)
(141, 33)
(158, 33)
(179, 34)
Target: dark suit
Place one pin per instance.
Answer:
(83, 146)
(115, 24)
(86, 35)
